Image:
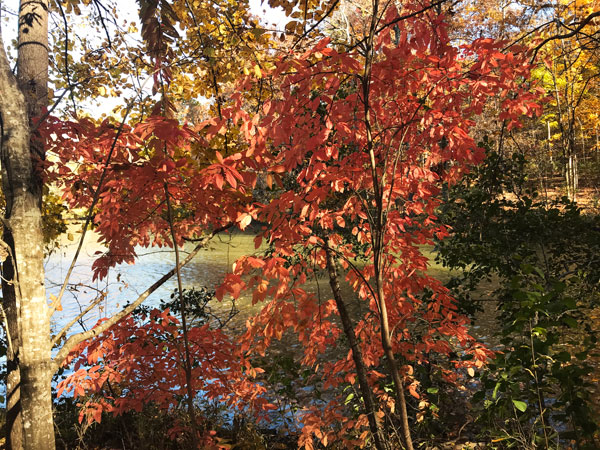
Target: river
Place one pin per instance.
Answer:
(126, 282)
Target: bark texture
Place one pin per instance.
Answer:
(23, 98)
(15, 135)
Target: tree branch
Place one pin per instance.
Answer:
(56, 339)
(378, 30)
(316, 24)
(572, 33)
(95, 200)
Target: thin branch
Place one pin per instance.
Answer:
(66, 56)
(354, 268)
(56, 339)
(529, 33)
(396, 20)
(95, 200)
(327, 13)
(572, 33)
(97, 4)
(54, 106)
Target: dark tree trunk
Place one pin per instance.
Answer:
(381, 442)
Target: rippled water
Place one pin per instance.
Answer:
(126, 282)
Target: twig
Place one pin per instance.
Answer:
(572, 33)
(56, 339)
(66, 56)
(97, 4)
(305, 33)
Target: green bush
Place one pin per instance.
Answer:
(544, 260)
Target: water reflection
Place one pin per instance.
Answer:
(126, 282)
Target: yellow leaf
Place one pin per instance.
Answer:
(55, 303)
(257, 71)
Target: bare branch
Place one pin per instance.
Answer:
(66, 56)
(98, 6)
(56, 339)
(573, 32)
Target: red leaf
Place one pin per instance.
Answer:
(218, 179)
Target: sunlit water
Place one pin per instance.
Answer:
(126, 282)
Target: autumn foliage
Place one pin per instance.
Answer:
(140, 362)
(355, 152)
(141, 159)
(313, 144)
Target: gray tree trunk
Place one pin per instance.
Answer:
(30, 424)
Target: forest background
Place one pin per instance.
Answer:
(407, 171)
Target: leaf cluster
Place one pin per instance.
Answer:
(544, 260)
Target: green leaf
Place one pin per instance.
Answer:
(432, 390)
(521, 406)
(495, 393)
(569, 303)
(563, 356)
(539, 272)
(539, 331)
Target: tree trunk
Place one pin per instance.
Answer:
(27, 313)
(361, 371)
(378, 225)
(391, 361)
(14, 426)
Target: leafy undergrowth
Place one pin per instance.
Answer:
(154, 429)
(286, 384)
